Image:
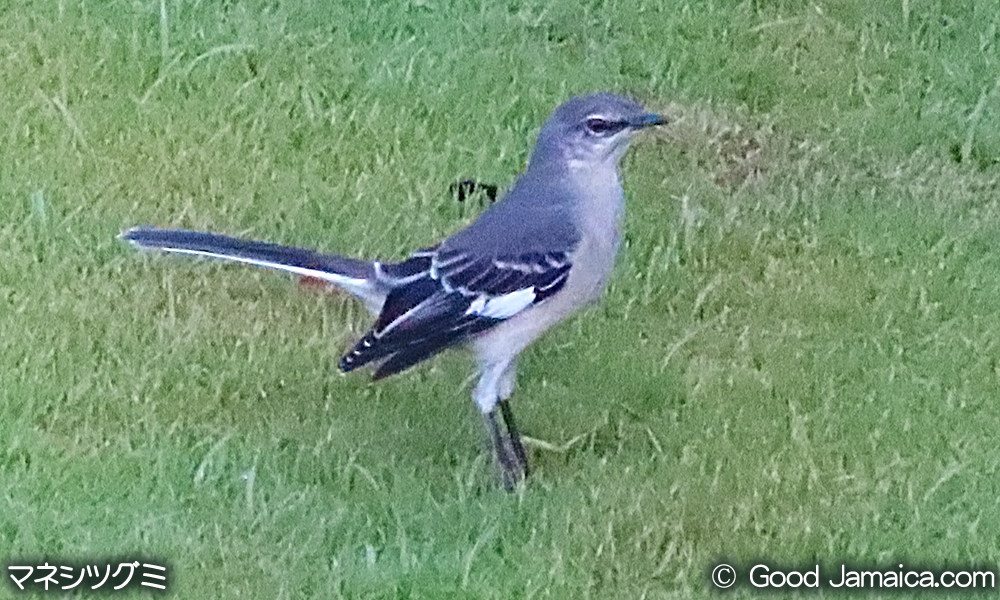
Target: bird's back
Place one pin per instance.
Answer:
(536, 214)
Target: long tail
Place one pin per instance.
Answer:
(354, 276)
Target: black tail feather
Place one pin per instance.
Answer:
(224, 246)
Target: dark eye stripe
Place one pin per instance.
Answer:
(599, 126)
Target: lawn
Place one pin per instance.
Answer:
(797, 361)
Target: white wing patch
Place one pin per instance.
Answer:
(502, 307)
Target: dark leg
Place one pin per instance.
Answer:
(514, 436)
(510, 471)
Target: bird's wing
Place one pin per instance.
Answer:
(441, 297)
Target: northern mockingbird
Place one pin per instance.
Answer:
(531, 259)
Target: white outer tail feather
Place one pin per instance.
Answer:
(361, 289)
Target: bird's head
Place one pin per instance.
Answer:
(592, 131)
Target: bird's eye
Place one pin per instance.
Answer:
(598, 126)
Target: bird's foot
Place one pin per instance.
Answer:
(508, 449)
(513, 470)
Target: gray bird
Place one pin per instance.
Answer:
(531, 259)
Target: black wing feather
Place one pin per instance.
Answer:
(426, 314)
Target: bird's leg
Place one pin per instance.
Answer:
(496, 384)
(514, 436)
(505, 388)
(510, 471)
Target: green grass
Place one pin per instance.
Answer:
(797, 359)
